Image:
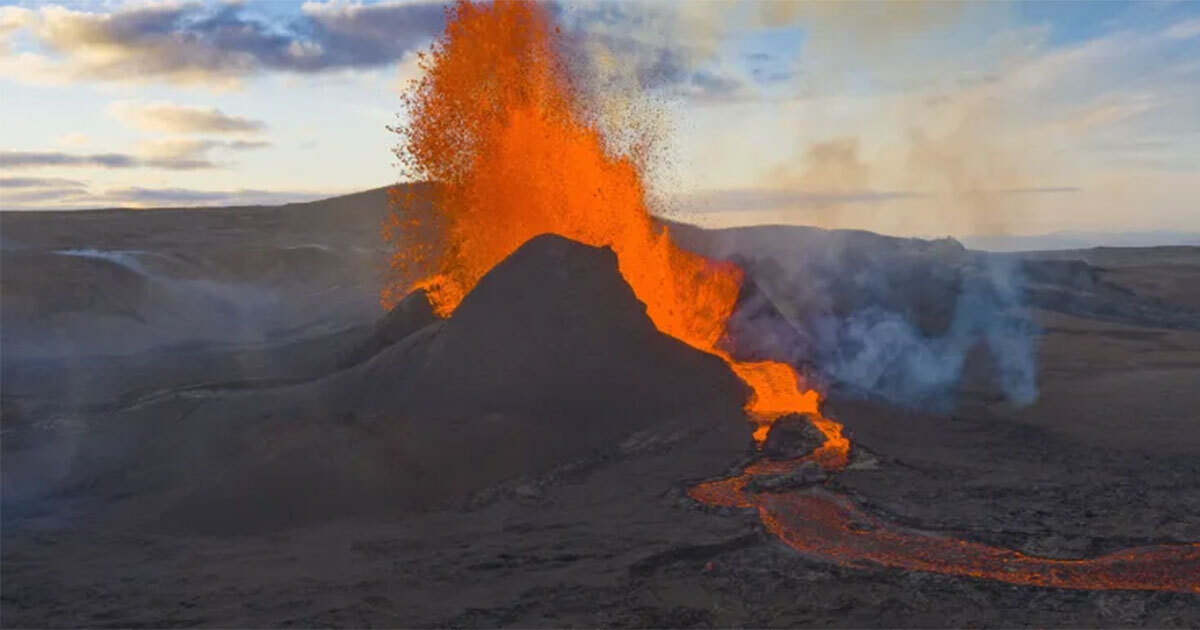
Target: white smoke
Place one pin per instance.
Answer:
(899, 319)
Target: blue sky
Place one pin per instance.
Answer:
(924, 118)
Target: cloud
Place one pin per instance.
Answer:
(656, 45)
(174, 148)
(38, 182)
(245, 145)
(36, 190)
(12, 19)
(716, 84)
(178, 154)
(32, 199)
(196, 42)
(189, 196)
(1183, 30)
(34, 159)
(983, 113)
(755, 199)
(191, 148)
(172, 118)
(76, 198)
(629, 58)
(653, 45)
(1040, 190)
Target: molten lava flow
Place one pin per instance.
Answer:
(776, 393)
(497, 123)
(831, 527)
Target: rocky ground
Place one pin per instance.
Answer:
(526, 463)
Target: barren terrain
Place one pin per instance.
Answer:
(208, 420)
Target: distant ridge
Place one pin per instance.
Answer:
(371, 196)
(1069, 239)
(368, 207)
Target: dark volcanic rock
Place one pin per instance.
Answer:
(413, 313)
(554, 328)
(807, 474)
(1078, 288)
(792, 436)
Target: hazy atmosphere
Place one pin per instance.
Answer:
(913, 118)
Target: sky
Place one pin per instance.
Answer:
(912, 118)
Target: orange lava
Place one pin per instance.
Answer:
(776, 392)
(496, 121)
(498, 125)
(830, 527)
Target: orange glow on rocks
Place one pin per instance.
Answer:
(777, 392)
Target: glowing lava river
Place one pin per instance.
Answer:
(828, 526)
(500, 123)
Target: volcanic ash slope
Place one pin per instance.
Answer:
(550, 358)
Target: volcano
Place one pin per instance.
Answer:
(554, 331)
(550, 355)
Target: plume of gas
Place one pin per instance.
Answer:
(895, 318)
(881, 106)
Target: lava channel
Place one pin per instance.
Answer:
(828, 526)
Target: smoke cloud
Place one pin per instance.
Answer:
(911, 321)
